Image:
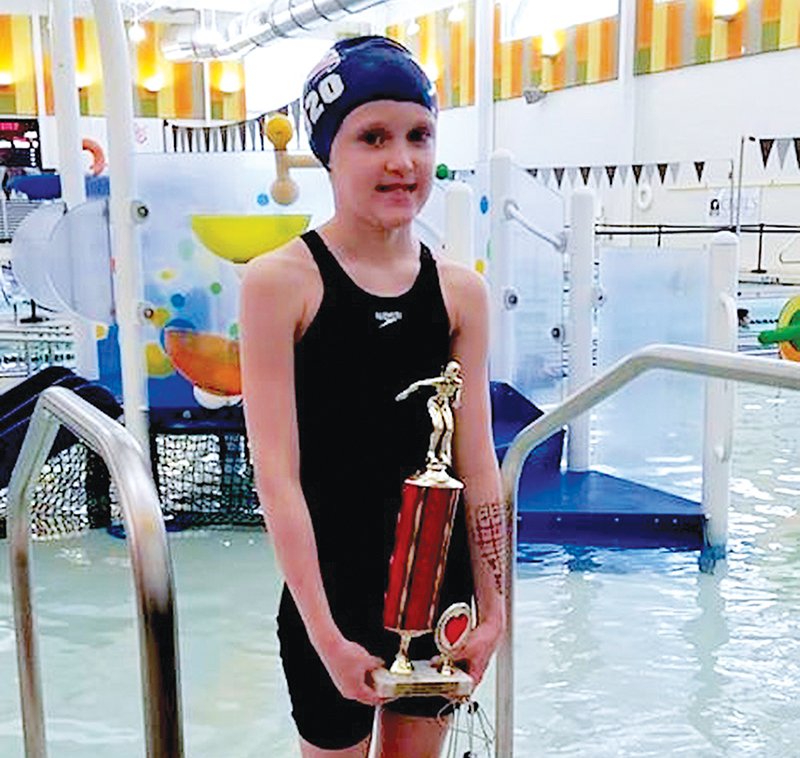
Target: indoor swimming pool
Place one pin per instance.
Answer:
(619, 653)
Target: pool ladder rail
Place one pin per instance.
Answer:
(147, 546)
(714, 364)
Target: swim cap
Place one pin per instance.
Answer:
(357, 71)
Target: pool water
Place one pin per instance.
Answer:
(618, 653)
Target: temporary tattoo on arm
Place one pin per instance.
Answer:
(489, 531)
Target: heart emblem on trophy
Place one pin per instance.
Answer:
(453, 627)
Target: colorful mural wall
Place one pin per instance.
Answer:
(676, 33)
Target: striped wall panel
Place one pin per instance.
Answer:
(161, 88)
(449, 48)
(588, 54)
(17, 81)
(675, 33)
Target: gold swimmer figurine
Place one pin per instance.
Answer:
(448, 396)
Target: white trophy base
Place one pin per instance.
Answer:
(424, 681)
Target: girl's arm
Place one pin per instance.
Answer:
(476, 464)
(273, 307)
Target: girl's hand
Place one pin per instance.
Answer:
(349, 666)
(478, 648)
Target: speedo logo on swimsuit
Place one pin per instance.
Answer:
(387, 317)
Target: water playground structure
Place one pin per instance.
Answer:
(166, 248)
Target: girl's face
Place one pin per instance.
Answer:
(381, 162)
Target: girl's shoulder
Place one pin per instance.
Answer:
(461, 279)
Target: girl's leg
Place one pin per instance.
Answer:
(402, 736)
(361, 750)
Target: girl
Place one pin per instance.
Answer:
(334, 326)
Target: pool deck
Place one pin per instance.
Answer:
(587, 508)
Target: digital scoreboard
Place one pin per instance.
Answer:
(20, 145)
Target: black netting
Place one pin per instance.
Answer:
(202, 480)
(71, 495)
(205, 479)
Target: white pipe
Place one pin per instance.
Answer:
(70, 167)
(484, 77)
(512, 211)
(500, 269)
(459, 244)
(38, 64)
(581, 312)
(720, 396)
(124, 214)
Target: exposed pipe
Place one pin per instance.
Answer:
(282, 18)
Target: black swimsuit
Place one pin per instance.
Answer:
(357, 445)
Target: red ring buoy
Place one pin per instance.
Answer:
(98, 156)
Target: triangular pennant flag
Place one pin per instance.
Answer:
(251, 128)
(182, 135)
(585, 173)
(174, 139)
(766, 144)
(623, 174)
(797, 150)
(637, 171)
(215, 137)
(649, 170)
(699, 167)
(190, 139)
(662, 171)
(559, 172)
(674, 168)
(544, 174)
(207, 137)
(164, 125)
(532, 171)
(611, 172)
(597, 173)
(243, 134)
(572, 174)
(223, 133)
(783, 148)
(262, 123)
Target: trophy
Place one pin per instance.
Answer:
(416, 568)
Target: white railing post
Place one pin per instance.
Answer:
(459, 242)
(70, 168)
(580, 248)
(124, 214)
(500, 269)
(720, 395)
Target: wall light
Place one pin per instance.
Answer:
(83, 80)
(727, 10)
(136, 33)
(456, 16)
(431, 70)
(154, 83)
(551, 45)
(6, 78)
(230, 82)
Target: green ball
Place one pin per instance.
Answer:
(442, 171)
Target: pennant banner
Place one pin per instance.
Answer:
(783, 149)
(585, 173)
(699, 167)
(226, 138)
(637, 171)
(559, 172)
(611, 173)
(662, 171)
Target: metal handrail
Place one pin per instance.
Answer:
(513, 213)
(147, 547)
(692, 360)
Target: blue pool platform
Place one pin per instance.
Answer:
(587, 508)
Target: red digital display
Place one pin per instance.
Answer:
(20, 146)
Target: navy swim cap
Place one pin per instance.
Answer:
(357, 71)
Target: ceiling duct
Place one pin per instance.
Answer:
(280, 19)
